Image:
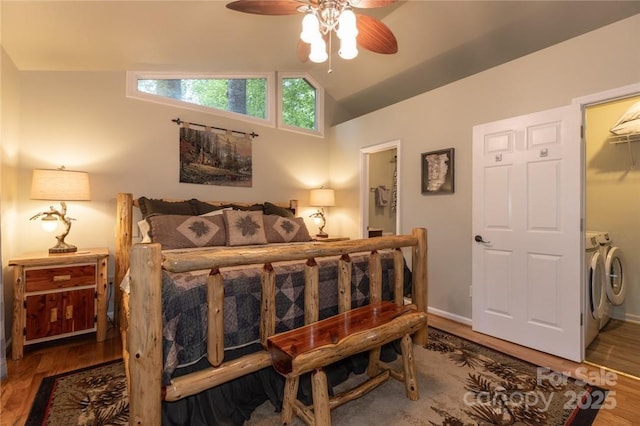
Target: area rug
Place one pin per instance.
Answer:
(94, 395)
(460, 383)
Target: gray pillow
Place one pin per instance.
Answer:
(270, 208)
(285, 229)
(181, 231)
(149, 206)
(244, 227)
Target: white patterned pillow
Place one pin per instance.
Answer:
(179, 231)
(244, 227)
(285, 229)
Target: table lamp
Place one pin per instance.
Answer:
(323, 197)
(59, 185)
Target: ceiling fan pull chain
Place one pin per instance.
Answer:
(330, 70)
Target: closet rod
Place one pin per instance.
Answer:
(179, 122)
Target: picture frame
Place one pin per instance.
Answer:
(438, 172)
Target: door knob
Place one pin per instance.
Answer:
(479, 239)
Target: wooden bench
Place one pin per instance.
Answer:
(316, 345)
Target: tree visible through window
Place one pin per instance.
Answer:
(300, 104)
(246, 96)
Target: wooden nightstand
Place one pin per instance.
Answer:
(58, 296)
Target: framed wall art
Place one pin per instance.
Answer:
(438, 169)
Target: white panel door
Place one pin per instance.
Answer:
(526, 224)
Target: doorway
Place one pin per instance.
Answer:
(611, 182)
(380, 189)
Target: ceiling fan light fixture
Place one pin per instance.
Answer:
(310, 28)
(348, 48)
(318, 51)
(322, 18)
(347, 24)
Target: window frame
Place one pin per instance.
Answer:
(319, 130)
(273, 108)
(133, 92)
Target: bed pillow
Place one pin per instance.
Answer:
(202, 207)
(143, 228)
(218, 212)
(270, 208)
(149, 206)
(244, 227)
(285, 229)
(181, 231)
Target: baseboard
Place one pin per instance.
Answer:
(626, 317)
(450, 316)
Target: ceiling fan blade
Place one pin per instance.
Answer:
(375, 36)
(367, 4)
(266, 7)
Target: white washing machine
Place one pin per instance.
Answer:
(615, 285)
(595, 299)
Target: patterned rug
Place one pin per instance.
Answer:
(460, 382)
(94, 395)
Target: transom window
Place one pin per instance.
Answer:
(250, 98)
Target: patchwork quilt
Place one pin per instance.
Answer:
(185, 308)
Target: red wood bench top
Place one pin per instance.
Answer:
(285, 347)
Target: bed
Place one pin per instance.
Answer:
(245, 294)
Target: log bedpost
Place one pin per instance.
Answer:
(419, 279)
(145, 335)
(124, 220)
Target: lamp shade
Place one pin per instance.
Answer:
(60, 185)
(322, 197)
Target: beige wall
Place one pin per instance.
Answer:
(613, 193)
(84, 121)
(9, 146)
(601, 60)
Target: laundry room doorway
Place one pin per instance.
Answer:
(379, 189)
(611, 123)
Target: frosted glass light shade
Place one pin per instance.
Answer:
(60, 185)
(348, 48)
(49, 223)
(310, 28)
(318, 51)
(347, 27)
(322, 197)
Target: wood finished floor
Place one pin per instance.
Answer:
(617, 347)
(47, 359)
(17, 392)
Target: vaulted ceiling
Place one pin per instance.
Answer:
(439, 41)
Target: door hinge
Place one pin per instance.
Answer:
(95, 319)
(24, 303)
(95, 294)
(581, 131)
(581, 318)
(24, 331)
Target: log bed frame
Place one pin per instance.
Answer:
(140, 316)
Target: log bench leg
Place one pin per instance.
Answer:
(409, 368)
(373, 367)
(320, 390)
(290, 397)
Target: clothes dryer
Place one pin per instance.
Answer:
(595, 300)
(615, 285)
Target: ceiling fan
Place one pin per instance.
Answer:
(325, 16)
